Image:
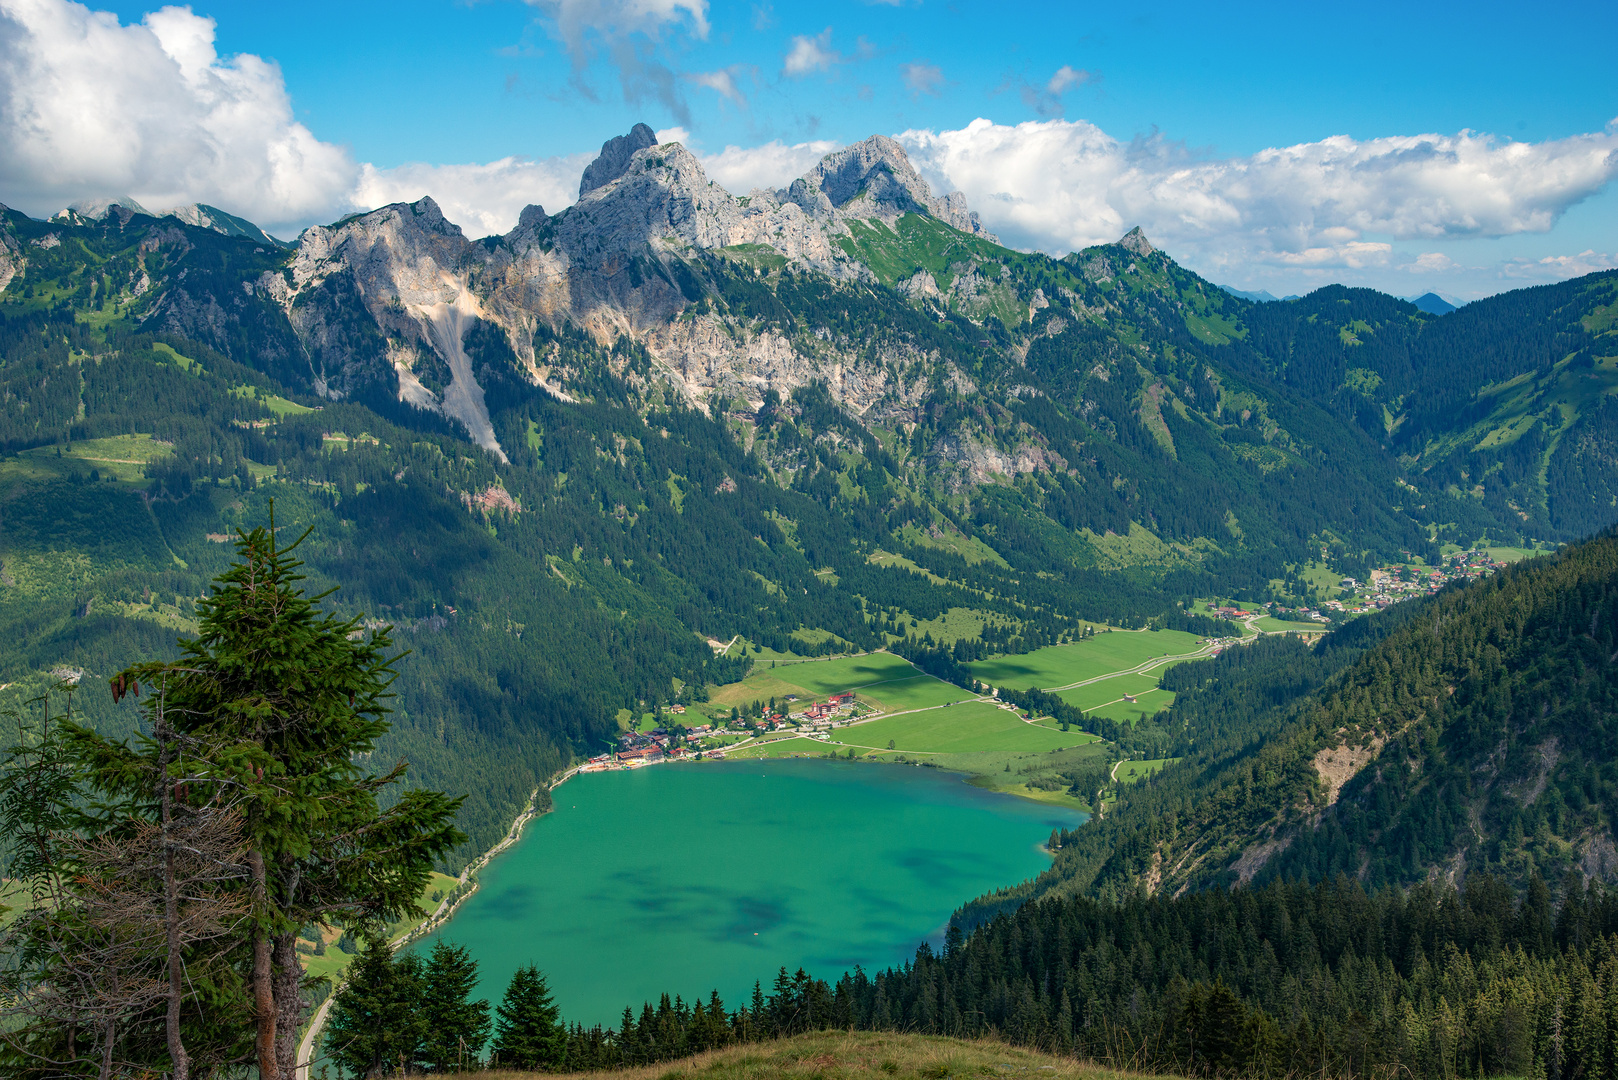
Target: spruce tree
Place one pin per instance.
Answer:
(377, 1022)
(298, 697)
(529, 1033)
(456, 1027)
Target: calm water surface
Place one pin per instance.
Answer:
(690, 878)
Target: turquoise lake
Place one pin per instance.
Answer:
(683, 879)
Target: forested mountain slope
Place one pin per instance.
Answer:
(562, 458)
(1476, 731)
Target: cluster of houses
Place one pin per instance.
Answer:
(822, 715)
(1390, 585)
(659, 744)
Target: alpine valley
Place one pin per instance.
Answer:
(625, 454)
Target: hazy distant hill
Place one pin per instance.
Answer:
(1433, 304)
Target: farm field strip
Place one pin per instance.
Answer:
(1112, 667)
(1063, 667)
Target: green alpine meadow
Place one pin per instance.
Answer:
(939, 614)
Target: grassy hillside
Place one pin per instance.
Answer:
(852, 1055)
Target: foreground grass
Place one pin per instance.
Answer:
(841, 1055)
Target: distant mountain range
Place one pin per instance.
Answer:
(569, 456)
(199, 214)
(1431, 302)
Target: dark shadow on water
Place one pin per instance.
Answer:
(937, 866)
(514, 903)
(752, 915)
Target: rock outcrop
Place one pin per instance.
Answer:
(615, 157)
(874, 179)
(1134, 241)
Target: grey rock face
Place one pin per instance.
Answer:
(874, 178)
(11, 256)
(614, 159)
(211, 217)
(1135, 241)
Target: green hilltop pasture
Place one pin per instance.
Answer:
(119, 457)
(1129, 772)
(1062, 665)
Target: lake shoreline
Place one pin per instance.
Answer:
(583, 892)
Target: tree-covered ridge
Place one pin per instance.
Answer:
(1471, 732)
(1282, 980)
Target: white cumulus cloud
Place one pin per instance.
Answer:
(722, 82)
(772, 165)
(482, 199)
(1431, 262)
(1059, 185)
(90, 107)
(1560, 267)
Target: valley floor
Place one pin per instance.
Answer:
(839, 1055)
(895, 712)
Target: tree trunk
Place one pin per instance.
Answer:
(288, 1002)
(106, 1050)
(263, 981)
(171, 916)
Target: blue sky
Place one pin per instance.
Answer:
(1099, 116)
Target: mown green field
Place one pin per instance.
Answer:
(1019, 773)
(1516, 554)
(1271, 625)
(890, 681)
(969, 726)
(1096, 694)
(1062, 665)
(823, 677)
(916, 692)
(788, 747)
(1151, 703)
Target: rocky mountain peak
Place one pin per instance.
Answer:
(877, 169)
(204, 216)
(875, 178)
(660, 194)
(428, 214)
(1135, 241)
(96, 209)
(616, 154)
